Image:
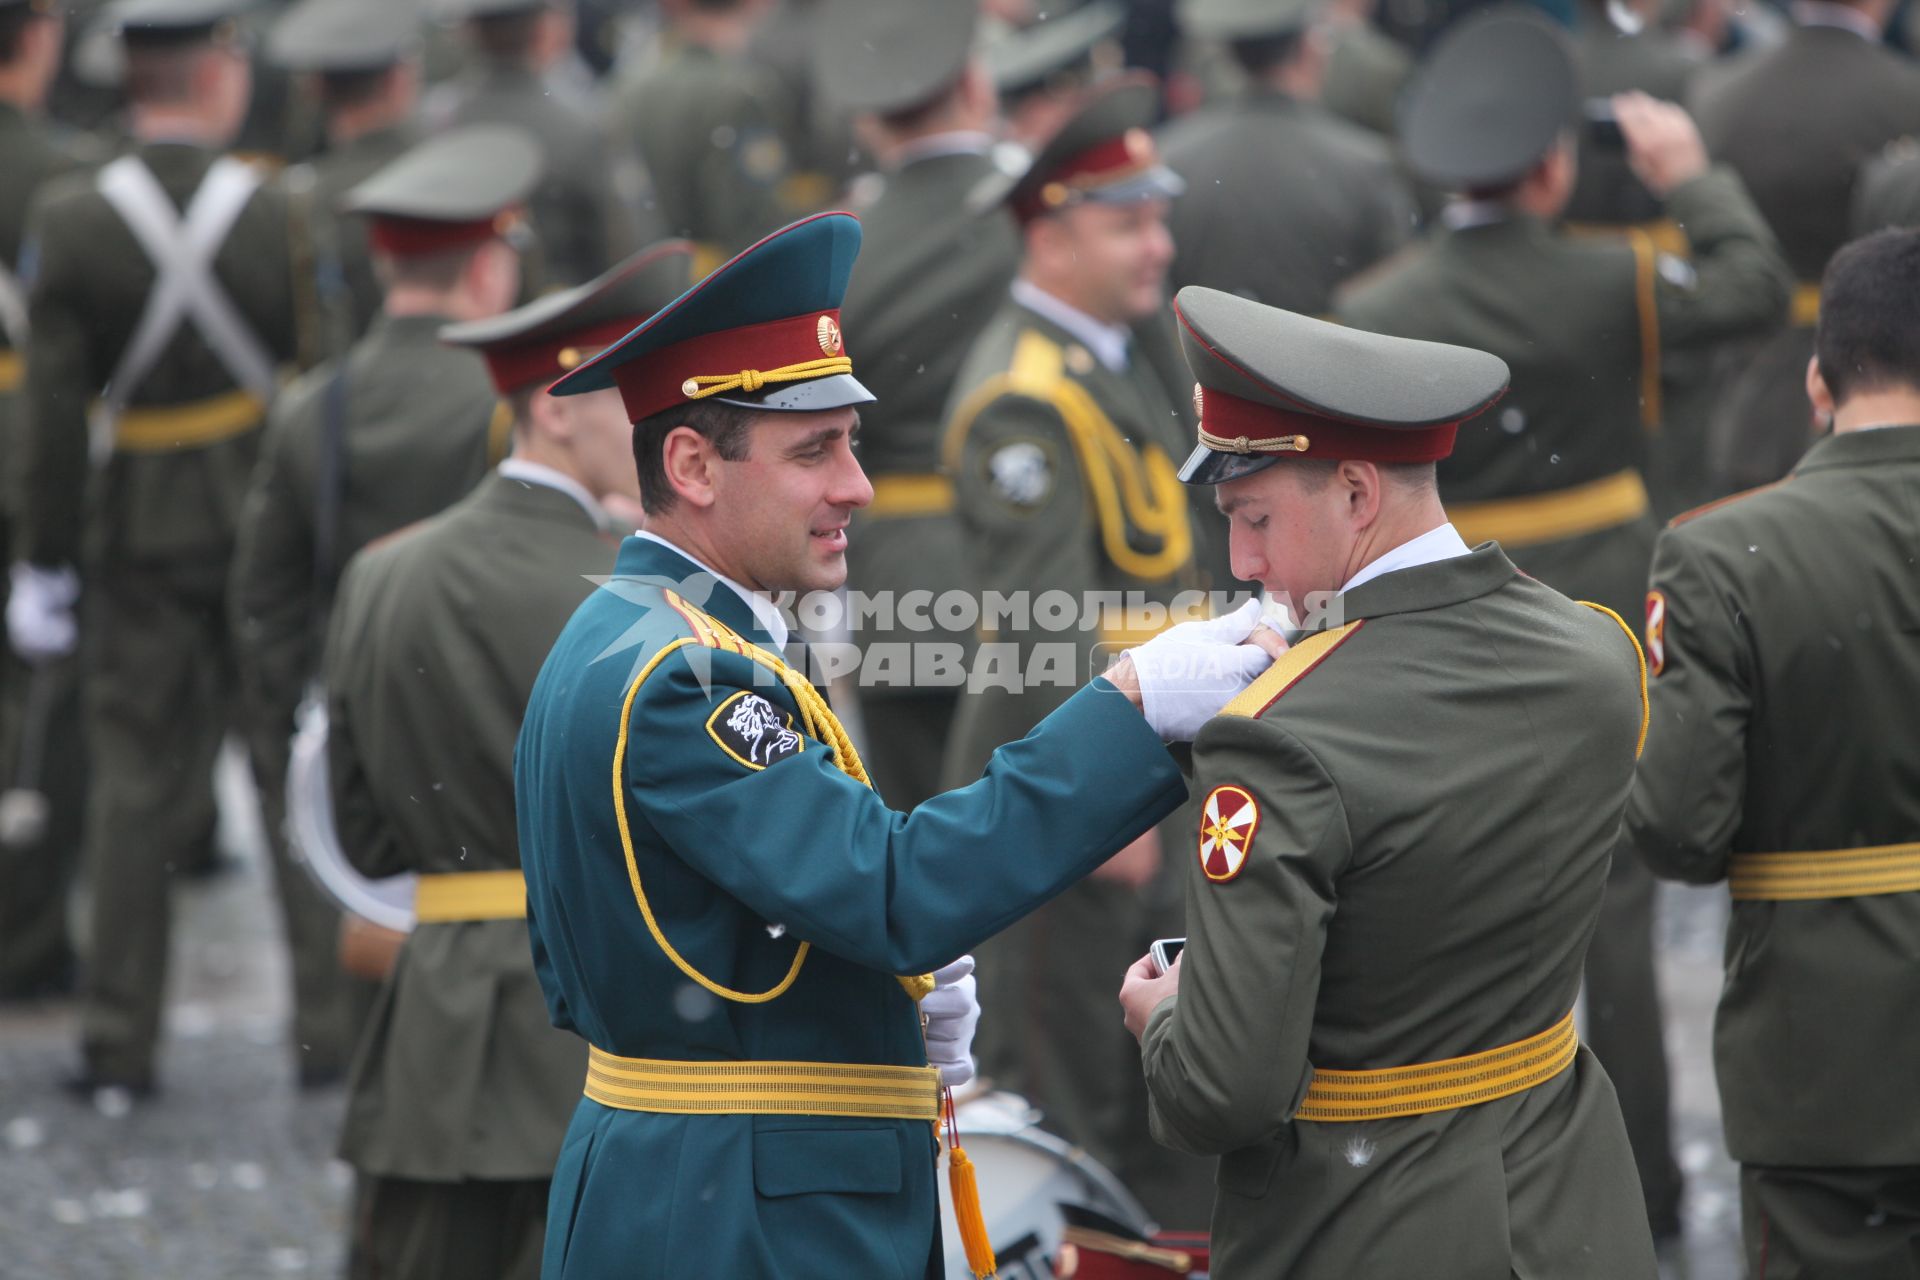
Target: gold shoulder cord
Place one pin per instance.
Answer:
(1640, 656)
(819, 722)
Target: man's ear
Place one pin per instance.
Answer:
(692, 466)
(1818, 391)
(550, 417)
(1362, 481)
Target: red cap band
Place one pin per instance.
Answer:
(545, 359)
(658, 380)
(1232, 418)
(1100, 165)
(417, 237)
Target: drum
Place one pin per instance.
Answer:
(314, 842)
(1025, 1175)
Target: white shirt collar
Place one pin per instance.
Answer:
(1108, 342)
(765, 611)
(1442, 543)
(958, 142)
(541, 474)
(1460, 215)
(1820, 13)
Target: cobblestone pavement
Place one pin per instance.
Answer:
(229, 1175)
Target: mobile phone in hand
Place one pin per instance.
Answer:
(1164, 952)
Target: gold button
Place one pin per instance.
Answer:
(1079, 360)
(569, 357)
(689, 388)
(1300, 444)
(1053, 195)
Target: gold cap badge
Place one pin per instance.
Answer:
(1199, 401)
(829, 334)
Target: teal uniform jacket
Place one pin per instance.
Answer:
(730, 837)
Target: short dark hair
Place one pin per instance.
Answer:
(343, 90)
(439, 271)
(13, 24)
(1317, 473)
(507, 37)
(163, 74)
(726, 426)
(1869, 333)
(1257, 55)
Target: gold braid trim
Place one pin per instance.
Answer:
(701, 386)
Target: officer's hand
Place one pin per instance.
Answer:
(40, 621)
(952, 1011)
(1187, 673)
(1143, 991)
(1664, 148)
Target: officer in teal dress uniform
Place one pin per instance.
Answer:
(718, 902)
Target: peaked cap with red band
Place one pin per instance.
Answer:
(762, 332)
(455, 189)
(1273, 385)
(1103, 154)
(552, 335)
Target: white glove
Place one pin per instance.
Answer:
(40, 622)
(952, 1011)
(1187, 673)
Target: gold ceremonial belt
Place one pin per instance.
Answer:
(904, 494)
(194, 425)
(1831, 873)
(470, 895)
(1335, 1096)
(13, 371)
(1558, 513)
(1806, 304)
(763, 1088)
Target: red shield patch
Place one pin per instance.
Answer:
(1656, 633)
(1228, 822)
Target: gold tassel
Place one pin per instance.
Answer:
(966, 1212)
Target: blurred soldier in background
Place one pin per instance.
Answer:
(1554, 474)
(1796, 122)
(1060, 445)
(703, 122)
(581, 224)
(1889, 189)
(1283, 200)
(41, 749)
(931, 273)
(363, 59)
(1043, 69)
(464, 1089)
(398, 429)
(160, 310)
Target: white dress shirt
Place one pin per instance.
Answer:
(1443, 543)
(765, 611)
(541, 474)
(1108, 342)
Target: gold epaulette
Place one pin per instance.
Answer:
(1727, 501)
(1306, 654)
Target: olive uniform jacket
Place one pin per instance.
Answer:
(733, 834)
(440, 633)
(1581, 321)
(1066, 479)
(1425, 798)
(172, 501)
(1341, 208)
(419, 426)
(1796, 122)
(1784, 637)
(335, 289)
(930, 274)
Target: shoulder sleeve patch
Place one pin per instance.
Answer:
(1292, 666)
(753, 731)
(1228, 822)
(1640, 660)
(1656, 645)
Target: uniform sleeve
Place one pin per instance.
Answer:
(1226, 1059)
(740, 173)
(1688, 788)
(732, 787)
(271, 587)
(60, 381)
(1737, 282)
(369, 841)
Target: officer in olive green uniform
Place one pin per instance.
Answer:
(462, 1090)
(364, 56)
(1772, 613)
(1060, 444)
(398, 429)
(1390, 890)
(1796, 122)
(1043, 68)
(1889, 190)
(163, 379)
(42, 749)
(1554, 474)
(1340, 204)
(583, 224)
(700, 124)
(931, 271)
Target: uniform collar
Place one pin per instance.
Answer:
(423, 327)
(545, 477)
(1432, 585)
(1464, 215)
(1443, 543)
(1108, 342)
(737, 607)
(1862, 448)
